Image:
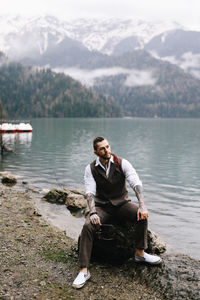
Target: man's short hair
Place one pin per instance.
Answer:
(97, 140)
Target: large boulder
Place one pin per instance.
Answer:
(57, 196)
(73, 199)
(116, 243)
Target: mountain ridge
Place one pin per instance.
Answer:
(23, 38)
(93, 33)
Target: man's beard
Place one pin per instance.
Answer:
(105, 157)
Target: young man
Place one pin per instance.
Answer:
(107, 197)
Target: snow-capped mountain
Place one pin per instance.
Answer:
(21, 37)
(103, 35)
(179, 47)
(95, 34)
(47, 40)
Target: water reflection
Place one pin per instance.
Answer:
(25, 138)
(12, 139)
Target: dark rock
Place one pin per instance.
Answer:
(9, 180)
(116, 243)
(177, 278)
(73, 199)
(58, 196)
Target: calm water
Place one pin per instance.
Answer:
(165, 153)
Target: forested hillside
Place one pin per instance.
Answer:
(171, 92)
(141, 85)
(30, 92)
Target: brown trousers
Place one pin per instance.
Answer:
(107, 213)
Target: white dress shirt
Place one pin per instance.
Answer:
(128, 170)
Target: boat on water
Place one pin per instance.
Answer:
(15, 127)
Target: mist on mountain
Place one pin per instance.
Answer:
(145, 68)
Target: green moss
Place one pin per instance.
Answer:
(59, 255)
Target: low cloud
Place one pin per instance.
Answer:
(171, 59)
(190, 62)
(87, 77)
(139, 78)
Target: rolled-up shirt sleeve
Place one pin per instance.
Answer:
(90, 184)
(130, 174)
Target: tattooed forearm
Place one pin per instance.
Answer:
(140, 196)
(91, 202)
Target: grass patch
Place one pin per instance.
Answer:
(59, 255)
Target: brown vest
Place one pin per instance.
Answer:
(112, 188)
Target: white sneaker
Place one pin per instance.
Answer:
(80, 280)
(148, 258)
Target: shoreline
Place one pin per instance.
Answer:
(38, 261)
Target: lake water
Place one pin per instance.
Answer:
(165, 153)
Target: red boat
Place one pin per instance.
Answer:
(13, 128)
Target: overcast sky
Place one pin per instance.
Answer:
(186, 12)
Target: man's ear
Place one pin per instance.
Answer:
(95, 152)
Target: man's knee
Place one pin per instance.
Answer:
(88, 226)
(143, 223)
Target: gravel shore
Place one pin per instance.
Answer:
(38, 261)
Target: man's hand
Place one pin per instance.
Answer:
(142, 214)
(94, 219)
